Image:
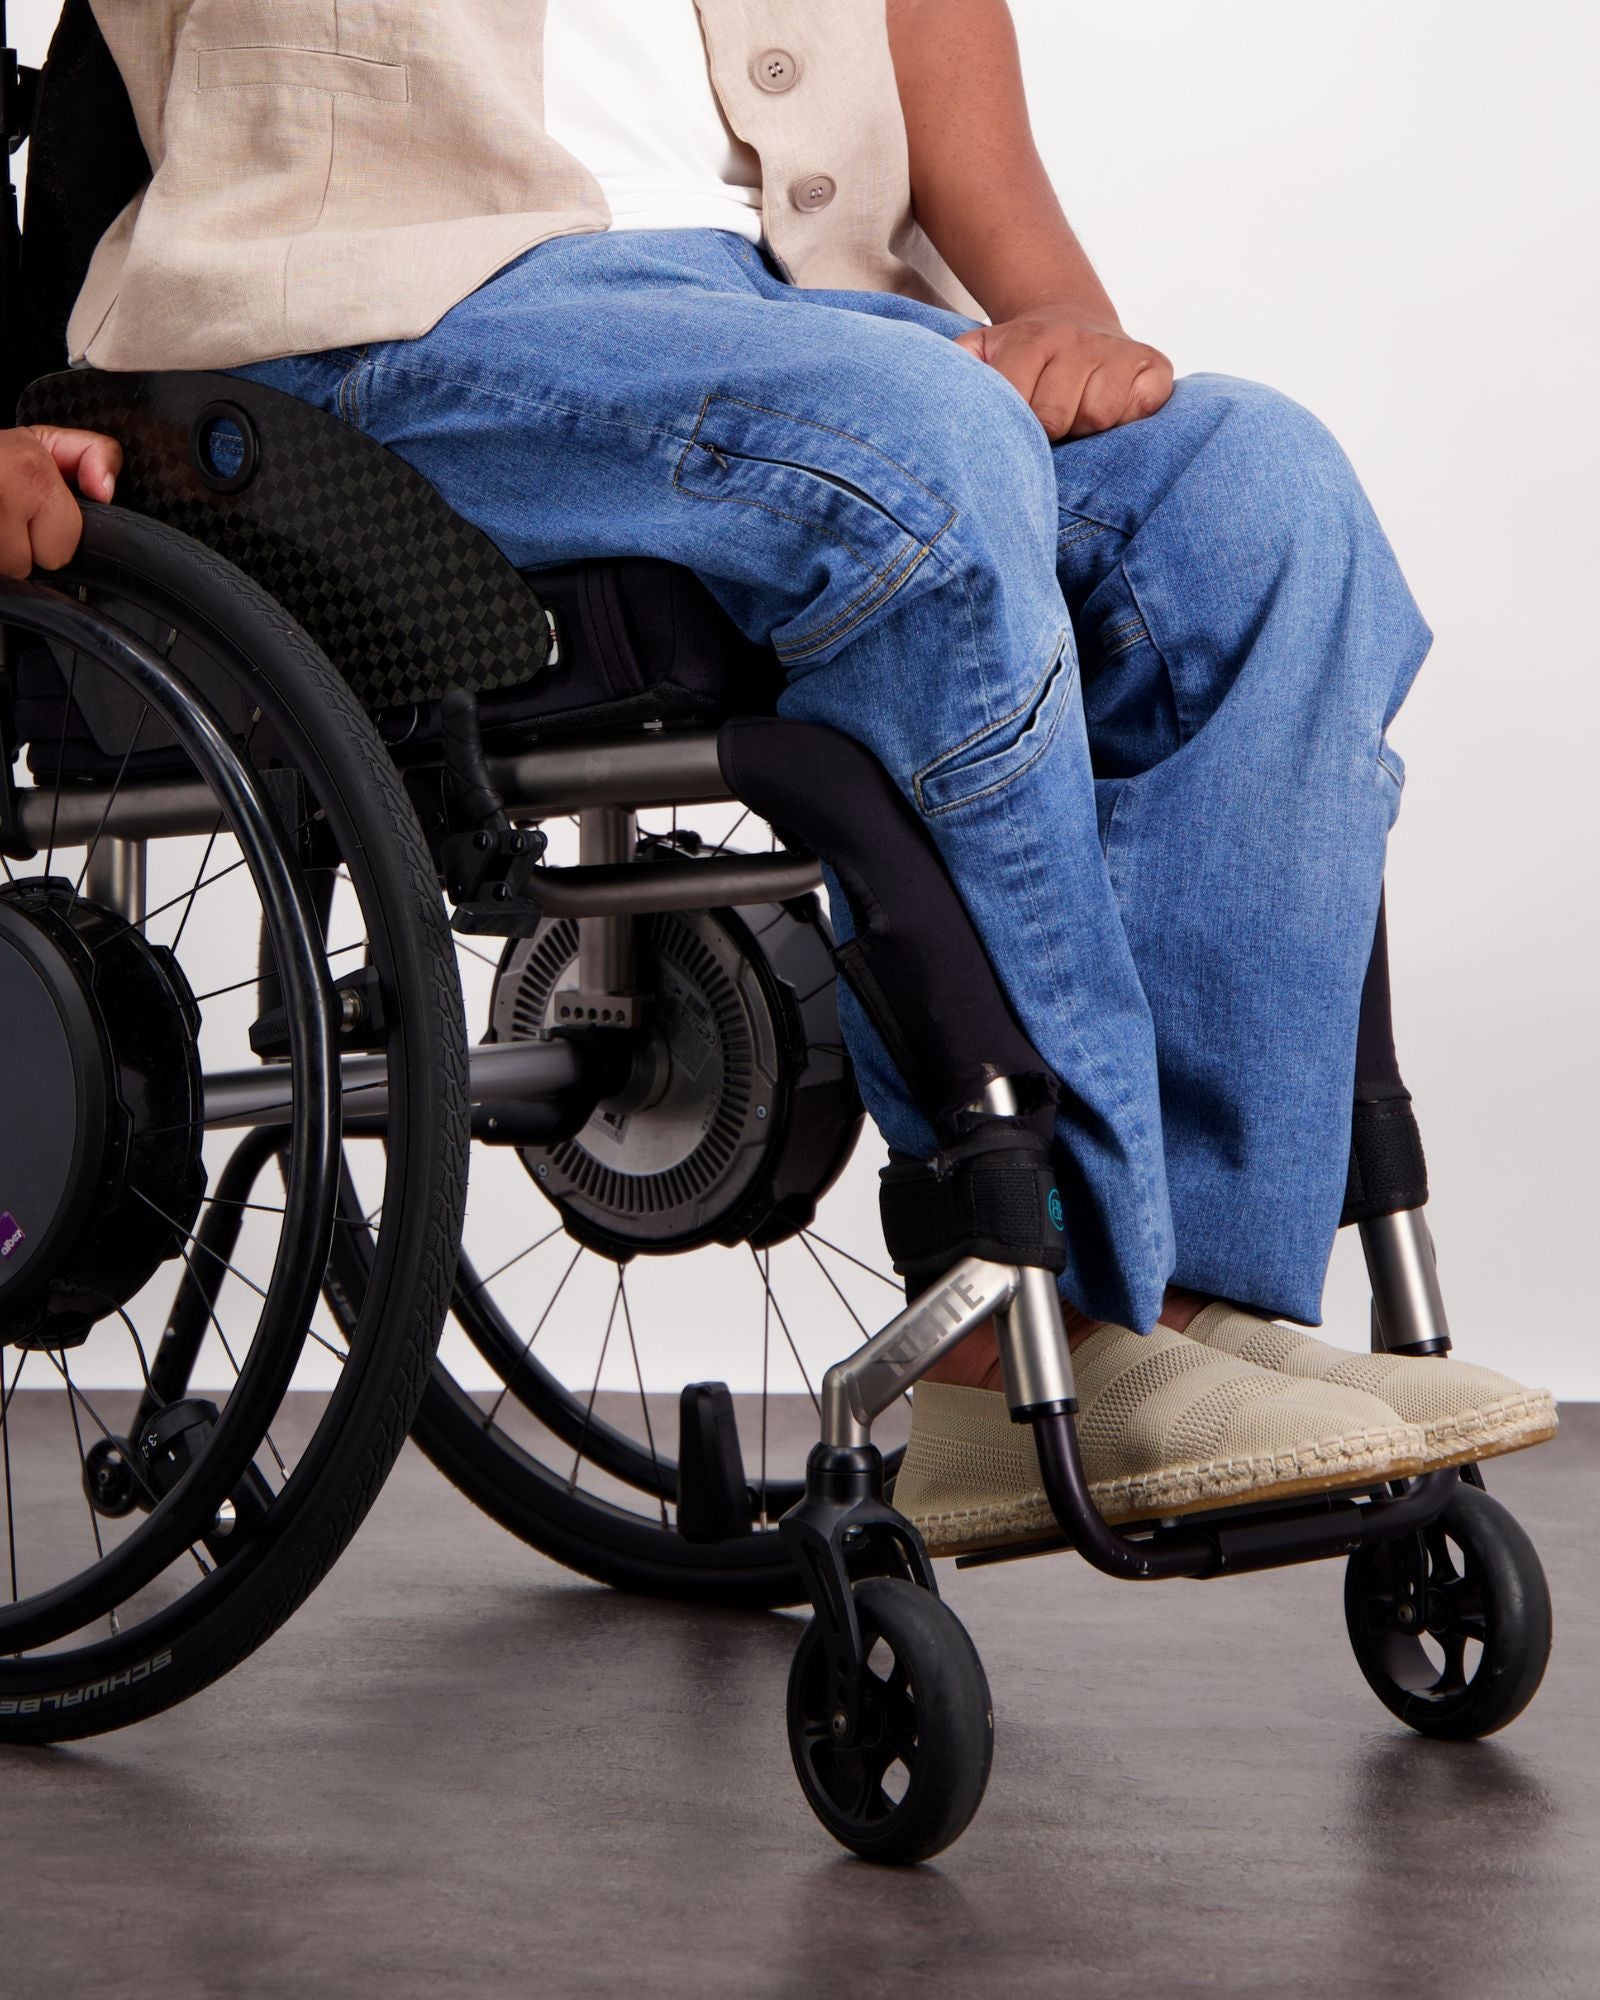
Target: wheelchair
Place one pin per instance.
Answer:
(284, 695)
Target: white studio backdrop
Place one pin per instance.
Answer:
(1387, 209)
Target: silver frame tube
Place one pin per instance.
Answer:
(116, 877)
(859, 1389)
(642, 769)
(1407, 1303)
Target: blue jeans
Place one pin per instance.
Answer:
(1136, 686)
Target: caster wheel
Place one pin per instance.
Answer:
(913, 1781)
(1452, 1626)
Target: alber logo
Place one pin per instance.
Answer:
(12, 1233)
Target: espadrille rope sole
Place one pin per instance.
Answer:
(1465, 1412)
(971, 1479)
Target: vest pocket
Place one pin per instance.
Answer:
(998, 756)
(275, 66)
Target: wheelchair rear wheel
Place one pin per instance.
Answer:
(714, 1215)
(167, 1503)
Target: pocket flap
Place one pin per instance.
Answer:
(276, 66)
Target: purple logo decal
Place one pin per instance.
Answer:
(12, 1233)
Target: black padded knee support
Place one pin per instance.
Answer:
(915, 962)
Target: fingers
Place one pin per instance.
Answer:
(56, 527)
(89, 460)
(39, 519)
(1058, 395)
(1019, 355)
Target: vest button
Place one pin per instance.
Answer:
(814, 192)
(775, 70)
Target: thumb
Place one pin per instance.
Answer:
(976, 342)
(89, 460)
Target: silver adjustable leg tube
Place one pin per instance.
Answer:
(115, 877)
(1034, 1362)
(1408, 1315)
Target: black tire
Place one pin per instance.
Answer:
(149, 577)
(927, 1713)
(1416, 1607)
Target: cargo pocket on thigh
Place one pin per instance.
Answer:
(858, 526)
(998, 756)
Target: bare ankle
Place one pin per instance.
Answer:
(1180, 1306)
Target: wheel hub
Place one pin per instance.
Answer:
(100, 1171)
(733, 1120)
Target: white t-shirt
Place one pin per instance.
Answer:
(627, 90)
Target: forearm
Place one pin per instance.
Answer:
(978, 185)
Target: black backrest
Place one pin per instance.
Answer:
(86, 162)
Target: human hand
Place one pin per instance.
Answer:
(39, 520)
(1077, 379)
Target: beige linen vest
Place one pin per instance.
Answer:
(331, 172)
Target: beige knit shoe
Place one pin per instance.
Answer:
(1465, 1412)
(1165, 1427)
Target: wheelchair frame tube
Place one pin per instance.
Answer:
(626, 772)
(499, 1072)
(859, 1389)
(1408, 1315)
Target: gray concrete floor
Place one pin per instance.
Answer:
(461, 1771)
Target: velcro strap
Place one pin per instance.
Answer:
(1387, 1170)
(1001, 1203)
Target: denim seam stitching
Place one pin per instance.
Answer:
(1125, 644)
(735, 500)
(1187, 732)
(794, 651)
(988, 791)
(831, 430)
(885, 581)
(1028, 701)
(488, 395)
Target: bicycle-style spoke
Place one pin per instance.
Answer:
(872, 1271)
(500, 1270)
(111, 799)
(227, 1345)
(865, 1331)
(861, 1324)
(61, 758)
(238, 985)
(189, 1236)
(83, 1463)
(275, 1208)
(527, 1345)
(732, 830)
(644, 1401)
(772, 1297)
(599, 1370)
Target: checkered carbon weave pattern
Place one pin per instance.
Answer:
(405, 597)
